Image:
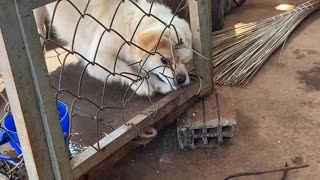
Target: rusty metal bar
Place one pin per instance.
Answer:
(124, 134)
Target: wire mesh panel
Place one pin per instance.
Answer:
(135, 44)
(111, 66)
(11, 164)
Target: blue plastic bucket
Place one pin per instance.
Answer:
(10, 129)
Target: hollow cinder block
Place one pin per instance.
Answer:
(209, 123)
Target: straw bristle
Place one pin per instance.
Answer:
(240, 52)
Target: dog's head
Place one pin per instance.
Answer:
(167, 54)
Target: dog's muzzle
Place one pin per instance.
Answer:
(178, 81)
(181, 79)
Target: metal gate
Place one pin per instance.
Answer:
(34, 91)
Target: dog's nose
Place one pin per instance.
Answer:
(181, 79)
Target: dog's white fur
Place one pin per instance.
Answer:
(161, 77)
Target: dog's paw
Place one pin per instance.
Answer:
(143, 88)
(163, 88)
(160, 86)
(151, 86)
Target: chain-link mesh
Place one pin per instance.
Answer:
(96, 106)
(11, 164)
(102, 92)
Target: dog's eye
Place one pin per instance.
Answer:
(164, 61)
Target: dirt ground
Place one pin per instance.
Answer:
(278, 117)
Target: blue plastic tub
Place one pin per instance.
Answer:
(9, 126)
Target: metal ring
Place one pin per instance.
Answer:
(148, 133)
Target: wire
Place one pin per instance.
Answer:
(264, 172)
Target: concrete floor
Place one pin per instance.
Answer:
(278, 117)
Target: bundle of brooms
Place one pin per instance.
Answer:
(239, 53)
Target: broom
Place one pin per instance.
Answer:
(239, 53)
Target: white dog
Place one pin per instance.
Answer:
(138, 50)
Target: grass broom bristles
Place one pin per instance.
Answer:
(237, 57)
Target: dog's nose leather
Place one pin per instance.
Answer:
(181, 78)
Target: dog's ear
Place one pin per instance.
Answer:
(150, 40)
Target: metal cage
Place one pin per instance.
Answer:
(33, 101)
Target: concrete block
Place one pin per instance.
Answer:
(209, 123)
